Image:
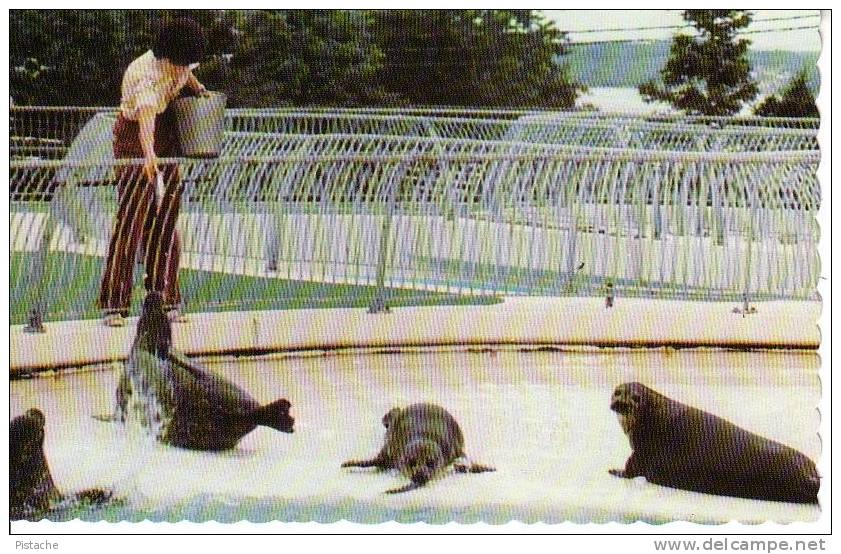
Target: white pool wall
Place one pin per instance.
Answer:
(517, 320)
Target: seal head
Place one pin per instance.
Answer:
(627, 402)
(421, 460)
(154, 330)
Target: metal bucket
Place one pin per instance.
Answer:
(201, 124)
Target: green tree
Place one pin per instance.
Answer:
(77, 57)
(796, 101)
(304, 57)
(708, 74)
(474, 57)
(56, 56)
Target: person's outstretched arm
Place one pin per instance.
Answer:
(146, 122)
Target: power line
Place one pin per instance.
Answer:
(623, 40)
(778, 30)
(684, 26)
(614, 29)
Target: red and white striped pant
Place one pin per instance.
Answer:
(143, 220)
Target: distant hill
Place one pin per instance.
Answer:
(629, 64)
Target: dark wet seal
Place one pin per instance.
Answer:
(32, 492)
(420, 441)
(184, 403)
(679, 446)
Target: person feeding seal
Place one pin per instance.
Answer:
(146, 128)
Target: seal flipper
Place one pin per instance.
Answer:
(405, 488)
(464, 465)
(631, 470)
(479, 468)
(275, 415)
(94, 496)
(380, 462)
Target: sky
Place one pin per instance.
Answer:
(579, 20)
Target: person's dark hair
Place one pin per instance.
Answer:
(182, 41)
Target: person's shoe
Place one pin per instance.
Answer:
(175, 316)
(114, 320)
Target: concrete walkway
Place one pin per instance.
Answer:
(518, 320)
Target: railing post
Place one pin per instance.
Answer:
(35, 323)
(657, 212)
(35, 319)
(379, 304)
(717, 198)
(746, 308)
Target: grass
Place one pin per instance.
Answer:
(68, 286)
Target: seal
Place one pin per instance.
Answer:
(32, 492)
(420, 441)
(682, 447)
(180, 401)
(31, 487)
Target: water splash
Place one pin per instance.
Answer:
(151, 404)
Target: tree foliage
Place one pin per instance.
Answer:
(796, 101)
(77, 57)
(303, 57)
(473, 57)
(708, 74)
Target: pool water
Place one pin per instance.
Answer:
(542, 418)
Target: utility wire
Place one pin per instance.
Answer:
(778, 30)
(684, 26)
(652, 39)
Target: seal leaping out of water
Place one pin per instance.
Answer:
(183, 403)
(420, 441)
(679, 446)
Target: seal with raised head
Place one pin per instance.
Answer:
(31, 487)
(182, 402)
(682, 447)
(420, 441)
(32, 492)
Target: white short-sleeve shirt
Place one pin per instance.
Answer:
(146, 83)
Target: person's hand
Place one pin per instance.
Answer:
(150, 169)
(201, 90)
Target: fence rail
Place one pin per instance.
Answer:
(590, 132)
(438, 217)
(48, 132)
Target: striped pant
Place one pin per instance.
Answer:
(143, 220)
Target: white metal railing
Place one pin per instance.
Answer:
(442, 216)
